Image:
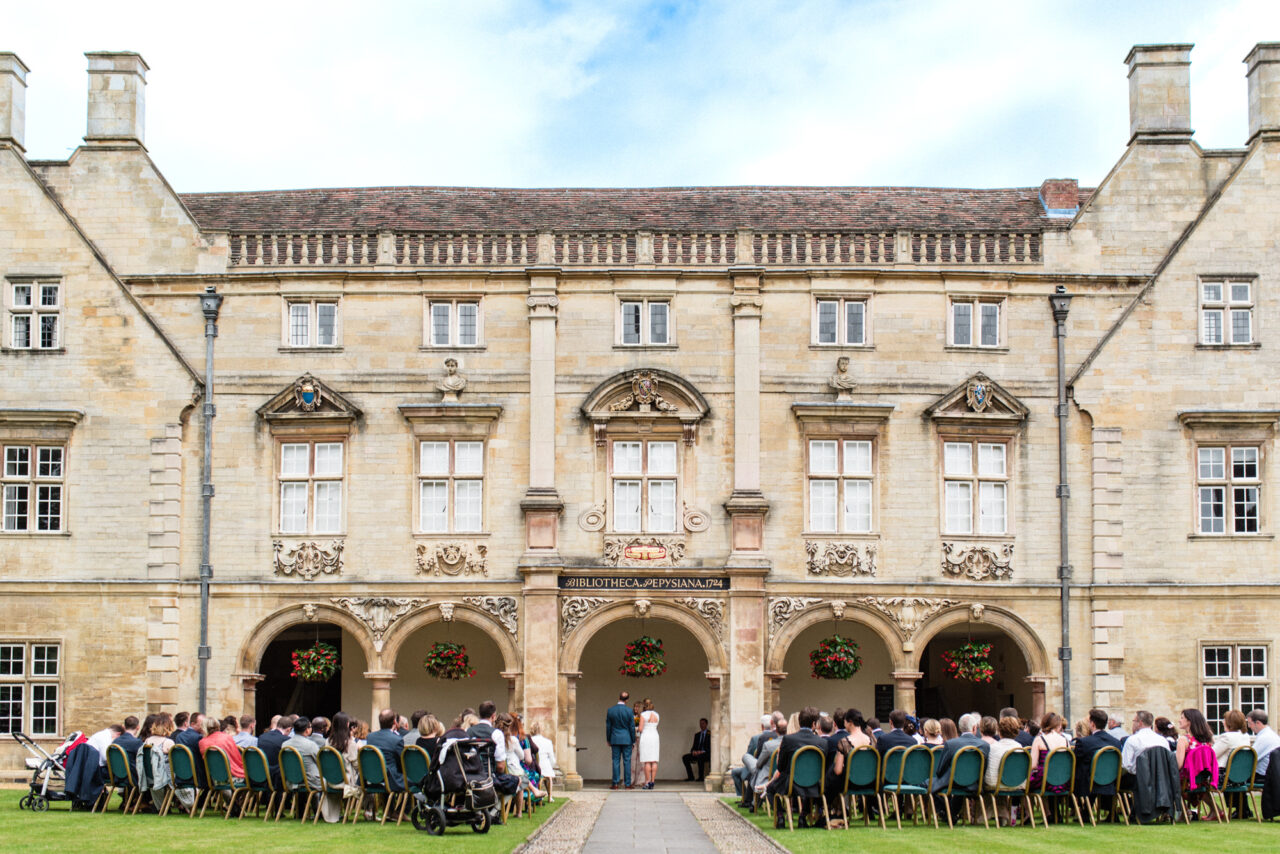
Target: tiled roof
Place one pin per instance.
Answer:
(661, 209)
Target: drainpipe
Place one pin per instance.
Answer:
(1060, 302)
(210, 303)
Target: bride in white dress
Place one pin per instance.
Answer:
(649, 742)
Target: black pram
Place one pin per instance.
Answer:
(458, 789)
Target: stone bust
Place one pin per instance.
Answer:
(452, 382)
(842, 381)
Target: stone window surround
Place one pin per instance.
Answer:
(35, 311)
(1234, 681)
(843, 421)
(439, 422)
(1226, 428)
(973, 440)
(645, 479)
(1226, 305)
(975, 321)
(645, 297)
(453, 299)
(842, 298)
(311, 439)
(48, 428)
(29, 679)
(312, 299)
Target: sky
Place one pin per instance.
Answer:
(277, 94)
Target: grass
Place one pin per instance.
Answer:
(60, 830)
(1239, 837)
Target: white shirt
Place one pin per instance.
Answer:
(1142, 739)
(546, 755)
(1263, 743)
(100, 741)
(499, 746)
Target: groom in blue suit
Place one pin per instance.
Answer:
(620, 732)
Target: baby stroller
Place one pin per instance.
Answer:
(48, 771)
(457, 790)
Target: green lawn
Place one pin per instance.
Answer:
(1237, 838)
(60, 830)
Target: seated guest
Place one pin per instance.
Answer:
(302, 742)
(852, 737)
(1196, 758)
(930, 733)
(221, 738)
(130, 741)
(320, 731)
(968, 737)
(948, 728)
(804, 737)
(1085, 748)
(1265, 741)
(190, 739)
(1081, 730)
(402, 726)
(873, 724)
(244, 736)
(340, 739)
(391, 745)
(700, 753)
(360, 732)
(546, 753)
(102, 739)
(989, 729)
(895, 736)
(411, 737)
(747, 769)
(1024, 734)
(1047, 740)
(1008, 728)
(1144, 738)
(1116, 727)
(754, 790)
(1233, 735)
(270, 743)
(1164, 727)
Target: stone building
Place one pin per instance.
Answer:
(544, 422)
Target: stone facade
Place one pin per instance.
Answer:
(734, 383)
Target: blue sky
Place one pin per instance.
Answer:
(272, 95)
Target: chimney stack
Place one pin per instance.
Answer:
(1263, 63)
(13, 100)
(116, 97)
(1159, 92)
(1060, 196)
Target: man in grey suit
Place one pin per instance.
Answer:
(620, 732)
(968, 738)
(301, 741)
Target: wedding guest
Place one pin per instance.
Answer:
(222, 739)
(1008, 728)
(948, 729)
(989, 729)
(1265, 740)
(1197, 760)
(341, 740)
(245, 737)
(1234, 734)
(1143, 739)
(932, 732)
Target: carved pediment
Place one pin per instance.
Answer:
(647, 398)
(978, 400)
(308, 400)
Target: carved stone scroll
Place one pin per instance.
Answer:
(711, 610)
(504, 609)
(979, 563)
(308, 559)
(575, 609)
(840, 559)
(378, 612)
(908, 613)
(643, 551)
(782, 609)
(452, 558)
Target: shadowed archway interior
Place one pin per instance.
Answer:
(939, 695)
(801, 689)
(279, 693)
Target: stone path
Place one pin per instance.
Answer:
(653, 822)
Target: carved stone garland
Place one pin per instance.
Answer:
(711, 610)
(378, 612)
(575, 609)
(908, 613)
(308, 559)
(503, 608)
(840, 559)
(782, 609)
(978, 563)
(452, 558)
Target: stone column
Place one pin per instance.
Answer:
(380, 682)
(747, 690)
(773, 699)
(541, 504)
(1037, 696)
(541, 646)
(746, 506)
(718, 722)
(904, 688)
(249, 685)
(567, 747)
(515, 682)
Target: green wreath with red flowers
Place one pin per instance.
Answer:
(835, 658)
(448, 661)
(969, 662)
(644, 658)
(316, 663)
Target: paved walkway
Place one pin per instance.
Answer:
(654, 822)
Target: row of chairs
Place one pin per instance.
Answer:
(908, 772)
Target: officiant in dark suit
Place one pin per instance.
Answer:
(620, 732)
(700, 753)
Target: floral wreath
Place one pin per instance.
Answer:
(969, 662)
(447, 661)
(316, 663)
(644, 658)
(835, 658)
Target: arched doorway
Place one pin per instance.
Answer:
(445, 698)
(939, 695)
(874, 680)
(278, 693)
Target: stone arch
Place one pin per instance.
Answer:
(1023, 636)
(685, 391)
(462, 613)
(780, 644)
(576, 643)
(255, 643)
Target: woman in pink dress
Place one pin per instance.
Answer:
(1197, 760)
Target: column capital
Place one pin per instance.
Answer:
(376, 675)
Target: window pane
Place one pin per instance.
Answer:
(1253, 697)
(657, 323)
(1244, 463)
(1241, 326)
(21, 296)
(1244, 511)
(857, 458)
(1240, 292)
(468, 458)
(44, 660)
(1217, 701)
(48, 508)
(17, 461)
(959, 508)
(435, 458)
(1211, 292)
(990, 324)
(16, 498)
(958, 458)
(855, 314)
(48, 331)
(662, 458)
(12, 659)
(626, 505)
(631, 323)
(299, 324)
(434, 506)
(10, 708)
(1212, 510)
(662, 506)
(626, 458)
(295, 460)
(1217, 662)
(1253, 662)
(326, 324)
(44, 709)
(822, 505)
(328, 507)
(468, 505)
(21, 331)
(293, 508)
(962, 324)
(468, 326)
(991, 508)
(49, 462)
(440, 323)
(827, 321)
(822, 458)
(49, 296)
(328, 459)
(857, 506)
(991, 460)
(1213, 463)
(1212, 325)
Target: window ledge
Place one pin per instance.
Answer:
(469, 535)
(837, 535)
(979, 538)
(856, 347)
(973, 348)
(279, 536)
(33, 351)
(646, 346)
(446, 348)
(1256, 345)
(1237, 537)
(284, 348)
(33, 535)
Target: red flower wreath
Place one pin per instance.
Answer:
(316, 663)
(644, 658)
(969, 662)
(447, 661)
